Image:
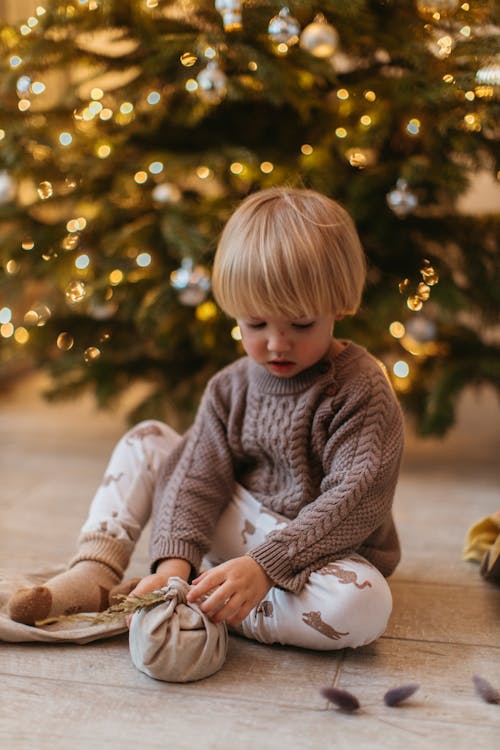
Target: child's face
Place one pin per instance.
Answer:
(286, 347)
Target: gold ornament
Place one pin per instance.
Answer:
(45, 190)
(75, 291)
(65, 341)
(91, 354)
(414, 303)
(429, 275)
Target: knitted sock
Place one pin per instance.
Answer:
(83, 588)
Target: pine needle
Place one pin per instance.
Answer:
(116, 612)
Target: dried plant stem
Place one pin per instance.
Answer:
(116, 612)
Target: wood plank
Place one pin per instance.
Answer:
(295, 675)
(53, 715)
(443, 671)
(445, 614)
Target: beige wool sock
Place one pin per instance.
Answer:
(83, 588)
(97, 568)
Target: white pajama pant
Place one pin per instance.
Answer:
(347, 603)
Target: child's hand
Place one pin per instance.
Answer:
(234, 589)
(166, 569)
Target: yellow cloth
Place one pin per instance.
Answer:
(481, 536)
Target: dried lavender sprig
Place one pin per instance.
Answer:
(397, 695)
(342, 698)
(486, 690)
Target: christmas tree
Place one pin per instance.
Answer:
(130, 129)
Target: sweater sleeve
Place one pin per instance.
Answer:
(361, 460)
(197, 483)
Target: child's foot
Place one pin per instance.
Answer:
(83, 588)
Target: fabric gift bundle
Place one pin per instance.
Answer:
(175, 641)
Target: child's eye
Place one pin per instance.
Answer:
(302, 326)
(256, 325)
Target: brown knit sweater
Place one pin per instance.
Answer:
(322, 448)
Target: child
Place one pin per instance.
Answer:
(285, 481)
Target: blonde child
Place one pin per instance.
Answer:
(284, 484)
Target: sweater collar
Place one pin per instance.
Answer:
(266, 382)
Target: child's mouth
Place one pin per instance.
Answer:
(280, 365)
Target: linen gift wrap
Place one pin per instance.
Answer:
(175, 641)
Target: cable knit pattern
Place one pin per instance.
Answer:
(322, 448)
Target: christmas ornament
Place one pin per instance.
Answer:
(429, 274)
(65, 341)
(421, 329)
(284, 28)
(7, 187)
(230, 11)
(166, 192)
(443, 7)
(75, 291)
(212, 83)
(191, 282)
(91, 354)
(401, 200)
(489, 75)
(320, 38)
(441, 44)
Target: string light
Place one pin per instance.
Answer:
(153, 98)
(266, 167)
(156, 167)
(397, 329)
(191, 84)
(342, 94)
(6, 330)
(188, 59)
(341, 132)
(65, 139)
(370, 95)
(236, 167)
(21, 335)
(143, 260)
(82, 262)
(5, 315)
(141, 177)
(413, 126)
(236, 333)
(306, 149)
(116, 277)
(401, 369)
(206, 311)
(203, 172)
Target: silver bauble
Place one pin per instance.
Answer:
(212, 83)
(7, 187)
(320, 38)
(284, 28)
(401, 200)
(191, 282)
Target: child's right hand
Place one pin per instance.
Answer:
(166, 569)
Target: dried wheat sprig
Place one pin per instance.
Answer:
(118, 611)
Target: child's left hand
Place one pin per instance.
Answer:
(234, 587)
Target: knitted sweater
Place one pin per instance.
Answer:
(322, 448)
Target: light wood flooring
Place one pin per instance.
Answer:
(445, 626)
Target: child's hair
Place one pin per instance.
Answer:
(289, 251)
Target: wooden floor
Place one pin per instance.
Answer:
(445, 625)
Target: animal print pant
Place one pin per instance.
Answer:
(345, 603)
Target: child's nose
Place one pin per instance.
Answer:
(278, 342)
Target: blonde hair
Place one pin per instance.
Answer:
(289, 251)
